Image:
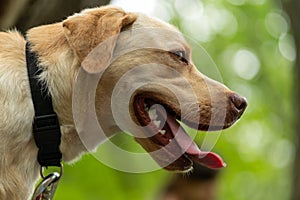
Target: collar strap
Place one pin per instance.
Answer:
(46, 128)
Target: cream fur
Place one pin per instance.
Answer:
(18, 168)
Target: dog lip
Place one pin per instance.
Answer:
(182, 164)
(207, 127)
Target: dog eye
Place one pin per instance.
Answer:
(180, 55)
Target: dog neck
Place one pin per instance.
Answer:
(19, 169)
(60, 67)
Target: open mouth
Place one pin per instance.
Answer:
(177, 151)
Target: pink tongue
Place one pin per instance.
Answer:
(209, 159)
(182, 138)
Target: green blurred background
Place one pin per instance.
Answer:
(252, 44)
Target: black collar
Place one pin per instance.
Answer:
(46, 128)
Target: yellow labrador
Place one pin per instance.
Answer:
(63, 47)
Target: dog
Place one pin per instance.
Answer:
(61, 50)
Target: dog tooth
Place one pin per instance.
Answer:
(156, 123)
(152, 114)
(146, 107)
(163, 132)
(170, 140)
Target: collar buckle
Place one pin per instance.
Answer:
(47, 136)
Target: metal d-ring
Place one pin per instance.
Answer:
(60, 171)
(45, 190)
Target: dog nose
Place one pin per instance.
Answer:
(239, 102)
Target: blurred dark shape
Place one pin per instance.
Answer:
(293, 7)
(200, 184)
(25, 14)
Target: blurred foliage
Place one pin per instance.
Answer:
(251, 44)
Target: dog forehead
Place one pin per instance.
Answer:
(158, 28)
(148, 21)
(150, 33)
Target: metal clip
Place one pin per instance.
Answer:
(46, 189)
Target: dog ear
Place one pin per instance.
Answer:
(87, 30)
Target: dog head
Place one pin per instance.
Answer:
(148, 83)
